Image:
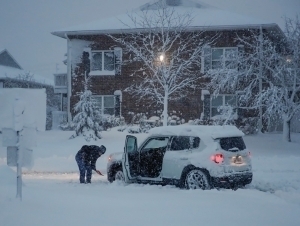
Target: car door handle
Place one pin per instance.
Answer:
(183, 158)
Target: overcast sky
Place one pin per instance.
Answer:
(26, 25)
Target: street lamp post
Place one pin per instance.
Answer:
(166, 90)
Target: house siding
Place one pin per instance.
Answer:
(187, 108)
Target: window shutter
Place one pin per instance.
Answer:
(86, 59)
(117, 106)
(206, 59)
(118, 100)
(206, 107)
(118, 60)
(241, 51)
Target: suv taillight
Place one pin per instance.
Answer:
(217, 158)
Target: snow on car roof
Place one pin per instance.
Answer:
(198, 130)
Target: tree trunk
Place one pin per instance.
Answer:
(165, 112)
(287, 130)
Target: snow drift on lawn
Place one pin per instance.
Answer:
(53, 196)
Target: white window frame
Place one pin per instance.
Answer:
(222, 60)
(102, 72)
(223, 101)
(60, 80)
(102, 108)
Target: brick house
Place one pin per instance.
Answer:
(92, 52)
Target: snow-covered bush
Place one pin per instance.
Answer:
(249, 125)
(67, 126)
(140, 124)
(173, 119)
(109, 121)
(227, 116)
(134, 129)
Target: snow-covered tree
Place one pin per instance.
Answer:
(88, 117)
(282, 96)
(245, 72)
(226, 117)
(167, 53)
(266, 76)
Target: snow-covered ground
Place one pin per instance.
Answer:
(52, 194)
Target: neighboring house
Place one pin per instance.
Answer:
(92, 52)
(12, 75)
(8, 66)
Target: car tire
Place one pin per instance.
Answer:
(119, 175)
(197, 179)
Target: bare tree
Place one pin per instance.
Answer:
(168, 52)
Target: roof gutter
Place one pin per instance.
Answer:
(63, 34)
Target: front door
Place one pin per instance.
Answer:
(130, 160)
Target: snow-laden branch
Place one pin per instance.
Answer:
(162, 32)
(279, 73)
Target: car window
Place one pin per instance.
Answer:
(131, 144)
(232, 144)
(184, 142)
(157, 142)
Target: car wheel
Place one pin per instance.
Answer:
(197, 179)
(119, 176)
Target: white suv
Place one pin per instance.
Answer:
(186, 156)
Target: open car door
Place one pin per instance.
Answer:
(130, 160)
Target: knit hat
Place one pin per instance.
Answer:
(102, 149)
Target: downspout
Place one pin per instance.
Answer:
(260, 77)
(69, 74)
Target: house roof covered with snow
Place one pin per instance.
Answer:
(6, 59)
(204, 17)
(15, 73)
(10, 68)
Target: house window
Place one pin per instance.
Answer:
(105, 104)
(1, 84)
(223, 57)
(60, 80)
(222, 101)
(103, 63)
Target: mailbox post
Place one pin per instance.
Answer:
(19, 110)
(21, 118)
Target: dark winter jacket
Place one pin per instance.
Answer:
(90, 154)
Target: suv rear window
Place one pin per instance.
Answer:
(184, 142)
(232, 144)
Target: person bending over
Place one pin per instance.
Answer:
(86, 159)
